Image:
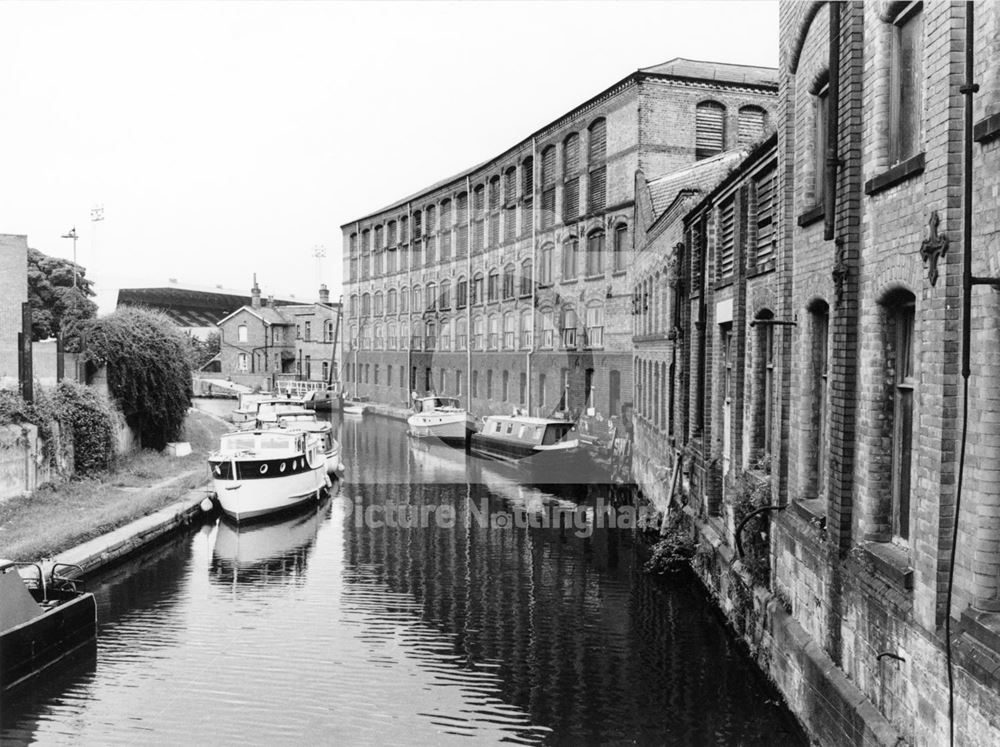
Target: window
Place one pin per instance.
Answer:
(391, 233)
(570, 248)
(404, 300)
(417, 300)
(298, 328)
(764, 373)
(900, 318)
(595, 254)
(445, 294)
(752, 125)
(906, 84)
(522, 387)
(597, 192)
(526, 329)
(595, 326)
(489, 384)
(509, 331)
(391, 341)
(430, 296)
(477, 333)
(462, 229)
(366, 309)
(477, 289)
(494, 205)
(820, 329)
(461, 333)
(390, 261)
(571, 199)
(430, 250)
(276, 333)
(242, 362)
(541, 390)
(510, 204)
(821, 108)
(727, 238)
(548, 329)
(710, 131)
(404, 230)
(548, 177)
(620, 248)
(571, 154)
(527, 194)
(378, 307)
(526, 278)
(429, 220)
(475, 383)
(241, 333)
(493, 332)
(766, 192)
(391, 306)
(505, 378)
(462, 293)
(545, 265)
(493, 286)
(378, 310)
(354, 244)
(508, 282)
(478, 205)
(445, 342)
(458, 382)
(568, 328)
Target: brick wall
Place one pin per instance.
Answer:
(13, 292)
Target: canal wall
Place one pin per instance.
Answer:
(26, 463)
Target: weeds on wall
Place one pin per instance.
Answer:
(674, 550)
(753, 491)
(149, 370)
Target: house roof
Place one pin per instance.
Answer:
(266, 314)
(700, 176)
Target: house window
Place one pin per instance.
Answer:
(595, 254)
(508, 282)
(475, 383)
(545, 265)
(493, 286)
(445, 294)
(276, 333)
(765, 189)
(509, 331)
(243, 362)
(541, 390)
(570, 248)
(430, 296)
(309, 367)
(477, 289)
(461, 333)
(526, 329)
(477, 333)
(710, 131)
(241, 333)
(493, 332)
(522, 387)
(462, 293)
(900, 317)
(620, 247)
(595, 326)
(458, 382)
(906, 84)
(378, 310)
(727, 238)
(526, 278)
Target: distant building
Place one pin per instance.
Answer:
(263, 344)
(508, 284)
(192, 308)
(13, 292)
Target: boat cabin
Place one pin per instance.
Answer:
(527, 430)
(429, 404)
(274, 443)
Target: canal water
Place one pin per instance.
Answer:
(327, 628)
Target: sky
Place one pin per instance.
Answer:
(224, 139)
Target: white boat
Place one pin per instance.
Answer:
(352, 407)
(269, 409)
(246, 407)
(441, 417)
(262, 472)
(306, 420)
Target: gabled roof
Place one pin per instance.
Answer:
(700, 176)
(266, 314)
(720, 72)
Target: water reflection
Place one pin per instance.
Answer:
(319, 628)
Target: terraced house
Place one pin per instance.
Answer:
(508, 284)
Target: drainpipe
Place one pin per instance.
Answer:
(468, 295)
(534, 274)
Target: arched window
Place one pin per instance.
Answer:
(461, 292)
(391, 332)
(571, 154)
(478, 218)
(404, 300)
(595, 253)
(390, 301)
(571, 177)
(493, 285)
(509, 331)
(242, 335)
(545, 269)
(493, 332)
(378, 238)
(752, 125)
(417, 300)
(404, 335)
(461, 333)
(594, 330)
(548, 177)
(366, 305)
(570, 249)
(527, 281)
(478, 343)
(354, 304)
(353, 243)
(508, 282)
(548, 328)
(510, 204)
(445, 341)
(710, 129)
(430, 223)
(477, 289)
(526, 329)
(391, 233)
(462, 224)
(379, 308)
(568, 327)
(527, 193)
(430, 296)
(445, 230)
(494, 206)
(379, 337)
(901, 368)
(620, 249)
(597, 153)
(445, 294)
(354, 338)
(417, 335)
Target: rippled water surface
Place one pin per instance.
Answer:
(317, 628)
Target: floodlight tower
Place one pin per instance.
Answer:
(72, 235)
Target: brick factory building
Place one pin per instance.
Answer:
(508, 284)
(824, 383)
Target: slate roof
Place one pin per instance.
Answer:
(702, 176)
(716, 71)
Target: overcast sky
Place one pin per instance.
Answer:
(230, 138)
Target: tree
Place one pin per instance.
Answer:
(149, 373)
(58, 309)
(201, 352)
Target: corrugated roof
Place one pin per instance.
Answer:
(724, 72)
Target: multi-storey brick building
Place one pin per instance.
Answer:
(265, 343)
(508, 283)
(13, 292)
(832, 371)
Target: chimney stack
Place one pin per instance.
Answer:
(255, 294)
(324, 294)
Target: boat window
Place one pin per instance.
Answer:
(497, 429)
(538, 433)
(238, 443)
(554, 433)
(523, 432)
(273, 443)
(510, 427)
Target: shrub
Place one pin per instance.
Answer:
(149, 373)
(88, 415)
(675, 549)
(752, 493)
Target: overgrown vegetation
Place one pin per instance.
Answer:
(753, 492)
(201, 352)
(149, 371)
(78, 411)
(59, 307)
(674, 550)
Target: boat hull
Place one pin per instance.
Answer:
(565, 465)
(34, 646)
(453, 427)
(254, 496)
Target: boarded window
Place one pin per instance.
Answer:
(766, 188)
(548, 207)
(597, 192)
(510, 186)
(710, 119)
(752, 120)
(906, 84)
(571, 200)
(598, 142)
(571, 154)
(528, 176)
(548, 166)
(727, 238)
